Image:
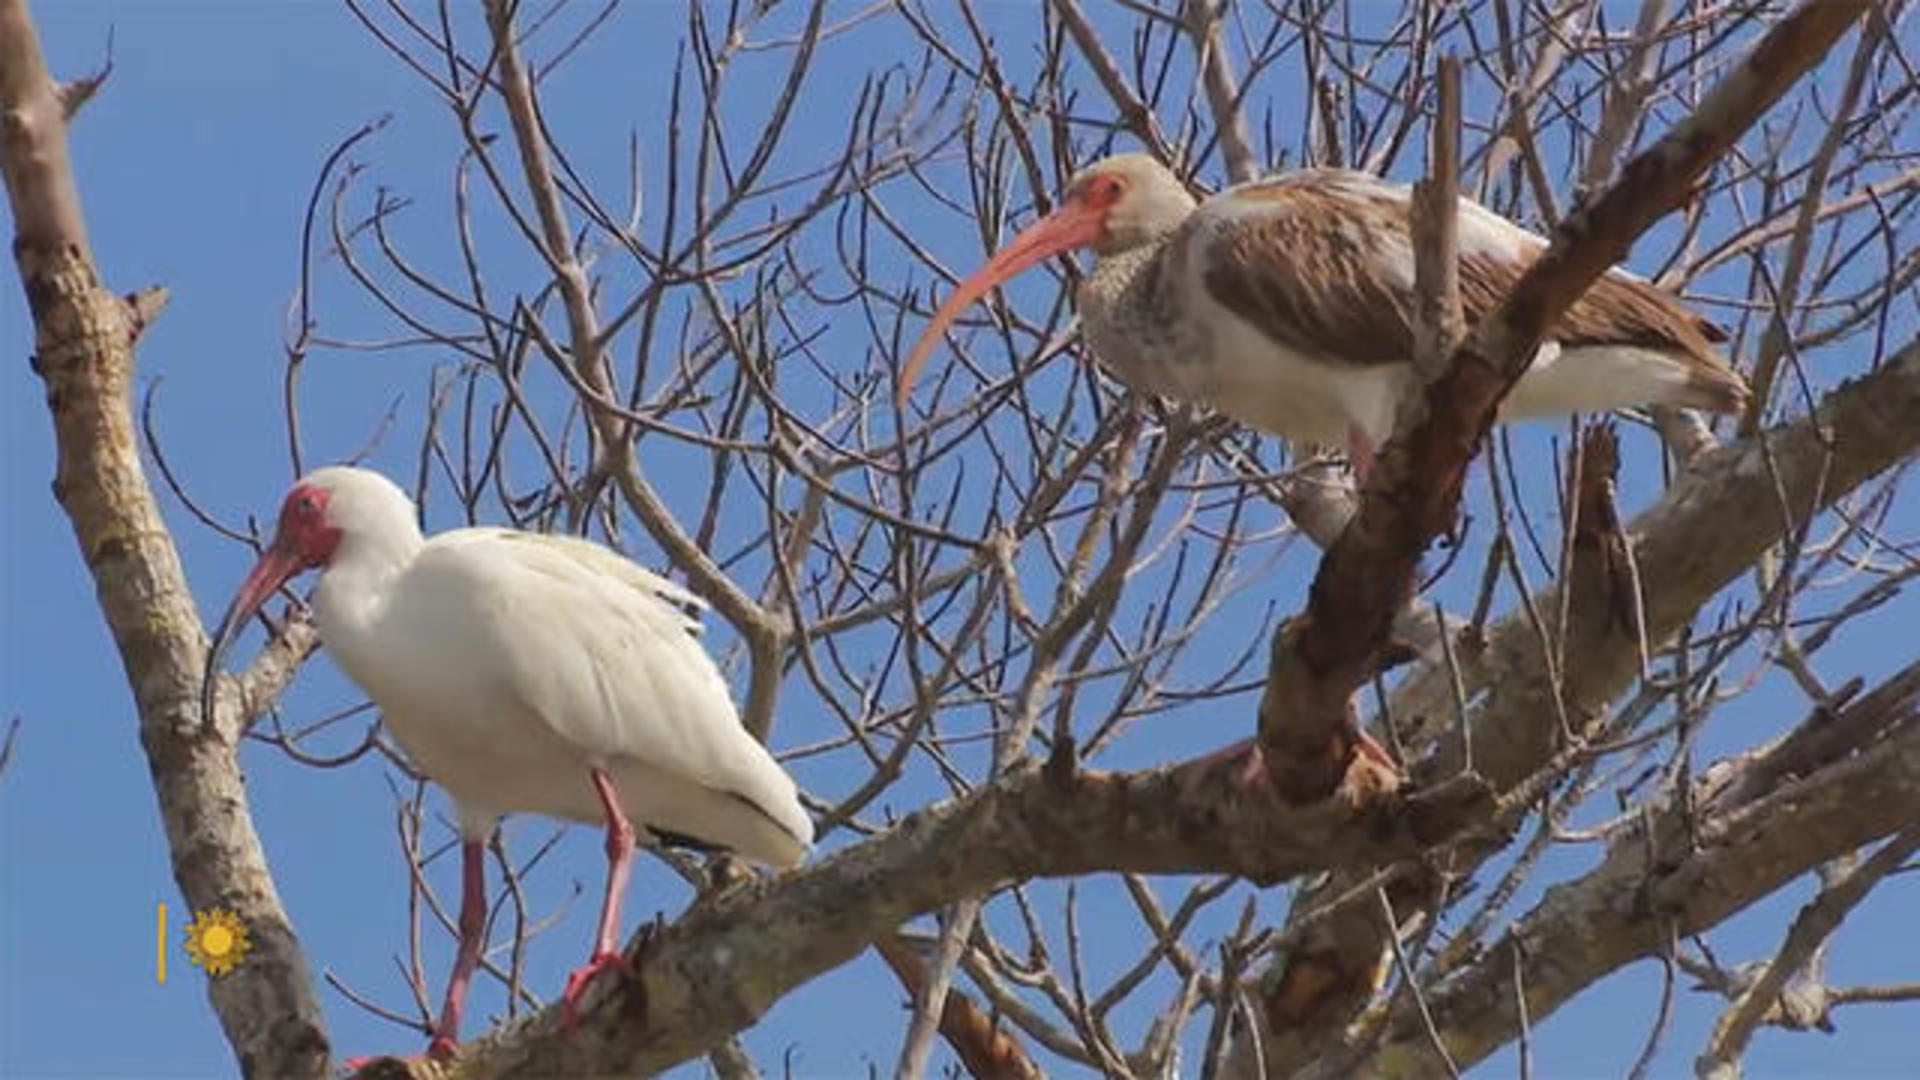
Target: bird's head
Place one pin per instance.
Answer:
(1135, 199)
(1111, 206)
(329, 508)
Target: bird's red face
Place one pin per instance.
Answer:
(1081, 221)
(303, 540)
(304, 529)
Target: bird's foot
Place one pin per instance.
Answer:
(440, 1050)
(601, 960)
(1366, 746)
(434, 1063)
(725, 875)
(1372, 771)
(1369, 770)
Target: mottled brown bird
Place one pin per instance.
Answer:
(1287, 304)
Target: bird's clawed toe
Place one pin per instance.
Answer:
(582, 976)
(725, 875)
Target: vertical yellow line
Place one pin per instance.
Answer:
(160, 946)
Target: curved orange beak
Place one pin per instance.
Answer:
(281, 561)
(1074, 225)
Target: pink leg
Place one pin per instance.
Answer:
(1369, 747)
(1359, 455)
(606, 945)
(473, 926)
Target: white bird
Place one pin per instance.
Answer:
(526, 672)
(1287, 304)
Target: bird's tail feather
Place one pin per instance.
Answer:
(1595, 378)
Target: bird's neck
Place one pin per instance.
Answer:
(1129, 308)
(353, 591)
(1127, 271)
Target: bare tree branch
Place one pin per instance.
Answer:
(714, 971)
(1815, 924)
(982, 1045)
(1692, 874)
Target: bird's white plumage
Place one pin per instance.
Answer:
(1272, 387)
(524, 672)
(509, 665)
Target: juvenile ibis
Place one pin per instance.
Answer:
(525, 672)
(1287, 304)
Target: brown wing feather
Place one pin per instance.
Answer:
(1618, 310)
(1302, 276)
(1304, 272)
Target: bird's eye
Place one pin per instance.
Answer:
(1099, 191)
(306, 506)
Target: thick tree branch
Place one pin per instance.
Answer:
(1746, 841)
(84, 336)
(1810, 931)
(719, 967)
(1339, 960)
(1737, 502)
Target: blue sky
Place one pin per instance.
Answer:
(195, 163)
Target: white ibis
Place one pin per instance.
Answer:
(525, 672)
(1286, 303)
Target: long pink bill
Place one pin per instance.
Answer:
(278, 563)
(1072, 226)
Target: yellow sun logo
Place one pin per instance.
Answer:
(216, 941)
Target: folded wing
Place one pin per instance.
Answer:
(1321, 261)
(606, 654)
